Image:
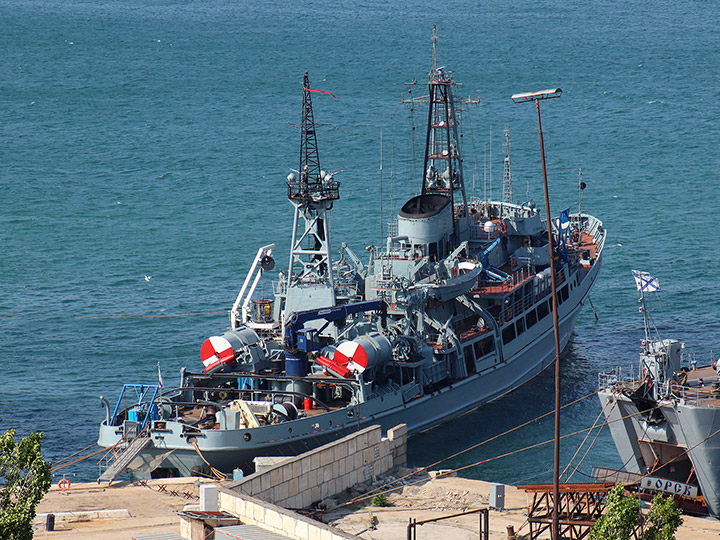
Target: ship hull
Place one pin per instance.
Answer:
(172, 450)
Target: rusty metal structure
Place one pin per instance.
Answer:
(537, 97)
(578, 508)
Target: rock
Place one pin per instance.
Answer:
(328, 504)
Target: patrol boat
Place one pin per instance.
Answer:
(453, 312)
(665, 419)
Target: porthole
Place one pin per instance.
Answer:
(247, 436)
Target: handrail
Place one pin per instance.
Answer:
(143, 389)
(158, 400)
(265, 377)
(219, 405)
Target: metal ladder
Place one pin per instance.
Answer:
(124, 458)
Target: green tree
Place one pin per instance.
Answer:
(24, 479)
(663, 519)
(621, 516)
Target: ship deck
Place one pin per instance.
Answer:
(699, 387)
(586, 243)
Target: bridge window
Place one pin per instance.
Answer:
(469, 359)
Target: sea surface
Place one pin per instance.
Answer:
(153, 138)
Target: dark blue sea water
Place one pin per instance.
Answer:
(154, 137)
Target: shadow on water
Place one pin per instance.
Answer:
(522, 464)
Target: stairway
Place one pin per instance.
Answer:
(123, 460)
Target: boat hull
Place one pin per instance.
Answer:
(172, 448)
(686, 428)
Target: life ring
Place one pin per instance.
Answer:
(64, 484)
(455, 271)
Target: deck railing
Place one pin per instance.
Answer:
(699, 396)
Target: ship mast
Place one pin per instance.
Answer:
(507, 176)
(442, 165)
(312, 192)
(507, 195)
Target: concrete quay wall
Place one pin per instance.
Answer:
(261, 499)
(300, 481)
(280, 521)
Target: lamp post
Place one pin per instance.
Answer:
(536, 97)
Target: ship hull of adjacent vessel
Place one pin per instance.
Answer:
(686, 428)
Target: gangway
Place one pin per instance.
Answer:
(124, 459)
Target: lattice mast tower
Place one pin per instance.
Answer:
(443, 163)
(311, 191)
(507, 196)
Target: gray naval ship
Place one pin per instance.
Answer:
(665, 421)
(452, 312)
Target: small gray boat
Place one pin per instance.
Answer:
(453, 312)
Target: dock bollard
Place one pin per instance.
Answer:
(511, 533)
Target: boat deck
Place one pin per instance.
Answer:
(699, 387)
(495, 288)
(702, 387)
(586, 244)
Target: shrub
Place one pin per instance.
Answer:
(24, 480)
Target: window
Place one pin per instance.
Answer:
(542, 310)
(562, 295)
(531, 318)
(508, 333)
(469, 359)
(484, 346)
